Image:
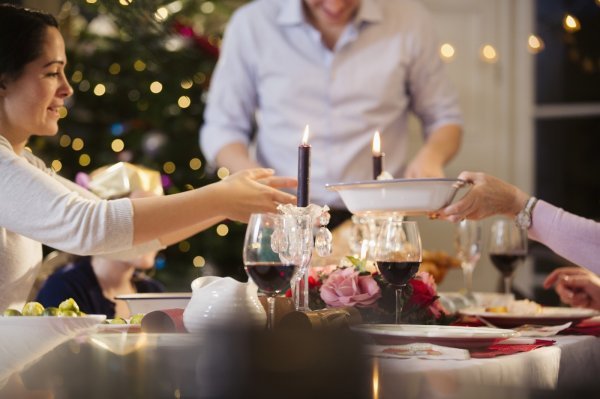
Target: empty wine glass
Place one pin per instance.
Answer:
(269, 271)
(467, 241)
(398, 256)
(508, 246)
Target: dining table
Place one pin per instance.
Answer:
(125, 362)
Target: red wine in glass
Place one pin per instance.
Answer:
(271, 277)
(397, 273)
(506, 263)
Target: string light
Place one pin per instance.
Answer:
(222, 172)
(199, 78)
(77, 76)
(222, 230)
(169, 167)
(99, 89)
(534, 44)
(117, 145)
(125, 3)
(184, 102)
(56, 165)
(207, 7)
(195, 163)
(199, 261)
(84, 86)
(84, 160)
(62, 112)
(447, 51)
(161, 14)
(184, 246)
(64, 141)
(139, 65)
(114, 68)
(571, 23)
(489, 54)
(186, 84)
(77, 144)
(156, 87)
(90, 1)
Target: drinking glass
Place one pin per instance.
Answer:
(269, 271)
(467, 241)
(508, 247)
(398, 255)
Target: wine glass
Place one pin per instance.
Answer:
(467, 241)
(508, 246)
(269, 271)
(398, 255)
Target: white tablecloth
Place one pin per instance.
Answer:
(572, 361)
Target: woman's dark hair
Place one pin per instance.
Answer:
(21, 33)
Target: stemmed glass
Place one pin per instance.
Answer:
(398, 255)
(269, 271)
(508, 246)
(467, 241)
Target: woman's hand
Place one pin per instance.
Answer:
(254, 191)
(575, 286)
(489, 196)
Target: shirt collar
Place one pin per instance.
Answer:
(292, 13)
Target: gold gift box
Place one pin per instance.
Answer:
(121, 179)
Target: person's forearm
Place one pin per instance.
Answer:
(235, 157)
(168, 216)
(443, 143)
(170, 239)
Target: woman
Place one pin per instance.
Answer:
(37, 206)
(573, 237)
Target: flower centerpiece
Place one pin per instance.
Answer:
(357, 283)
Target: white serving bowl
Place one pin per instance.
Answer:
(148, 302)
(398, 196)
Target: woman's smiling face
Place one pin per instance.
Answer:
(30, 103)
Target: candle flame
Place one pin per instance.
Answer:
(305, 136)
(376, 144)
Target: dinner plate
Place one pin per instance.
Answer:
(398, 196)
(452, 336)
(548, 316)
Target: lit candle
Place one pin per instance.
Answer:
(303, 170)
(377, 156)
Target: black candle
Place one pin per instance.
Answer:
(377, 156)
(303, 170)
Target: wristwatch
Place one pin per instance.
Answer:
(523, 219)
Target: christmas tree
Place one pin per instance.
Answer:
(140, 71)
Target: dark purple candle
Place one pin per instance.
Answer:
(377, 156)
(303, 170)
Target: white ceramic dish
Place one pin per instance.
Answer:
(549, 316)
(148, 302)
(398, 196)
(453, 336)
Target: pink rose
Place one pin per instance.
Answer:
(344, 287)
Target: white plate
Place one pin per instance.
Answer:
(549, 316)
(399, 196)
(453, 336)
(25, 338)
(148, 302)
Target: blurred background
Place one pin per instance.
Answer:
(528, 74)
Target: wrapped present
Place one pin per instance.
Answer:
(122, 179)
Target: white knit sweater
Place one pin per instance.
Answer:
(38, 206)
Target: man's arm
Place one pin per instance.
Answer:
(235, 157)
(440, 147)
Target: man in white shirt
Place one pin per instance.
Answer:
(347, 68)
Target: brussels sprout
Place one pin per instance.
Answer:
(50, 311)
(136, 318)
(117, 320)
(11, 312)
(33, 309)
(69, 304)
(66, 313)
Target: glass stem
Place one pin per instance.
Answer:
(270, 312)
(301, 293)
(507, 283)
(399, 305)
(467, 269)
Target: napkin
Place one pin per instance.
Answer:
(585, 327)
(418, 351)
(501, 349)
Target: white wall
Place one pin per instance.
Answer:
(497, 103)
